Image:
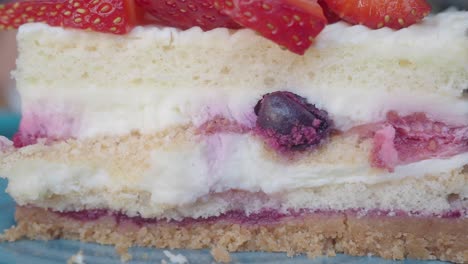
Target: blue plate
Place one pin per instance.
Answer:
(8, 123)
(59, 251)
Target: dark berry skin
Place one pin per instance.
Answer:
(288, 122)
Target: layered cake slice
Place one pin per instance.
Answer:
(223, 139)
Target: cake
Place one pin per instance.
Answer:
(221, 138)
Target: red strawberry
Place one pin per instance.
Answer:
(112, 16)
(290, 23)
(394, 14)
(186, 14)
(331, 17)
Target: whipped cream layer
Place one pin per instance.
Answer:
(86, 84)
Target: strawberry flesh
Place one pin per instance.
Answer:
(110, 16)
(329, 14)
(375, 14)
(187, 14)
(292, 24)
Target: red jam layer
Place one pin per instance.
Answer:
(266, 216)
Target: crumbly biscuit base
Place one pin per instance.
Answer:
(315, 234)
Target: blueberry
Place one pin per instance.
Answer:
(289, 122)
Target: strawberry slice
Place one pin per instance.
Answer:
(375, 14)
(330, 15)
(111, 16)
(186, 14)
(290, 23)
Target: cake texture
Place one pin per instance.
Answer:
(221, 139)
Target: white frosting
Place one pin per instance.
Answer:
(223, 162)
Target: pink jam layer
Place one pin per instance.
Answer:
(48, 125)
(397, 140)
(266, 216)
(405, 139)
(220, 124)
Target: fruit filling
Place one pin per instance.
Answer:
(288, 122)
(265, 216)
(406, 139)
(292, 24)
(40, 124)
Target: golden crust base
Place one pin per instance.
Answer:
(314, 234)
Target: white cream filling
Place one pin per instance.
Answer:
(221, 163)
(237, 162)
(98, 112)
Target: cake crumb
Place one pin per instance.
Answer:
(122, 250)
(331, 253)
(311, 255)
(220, 254)
(177, 259)
(5, 144)
(78, 258)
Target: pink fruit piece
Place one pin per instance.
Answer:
(406, 139)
